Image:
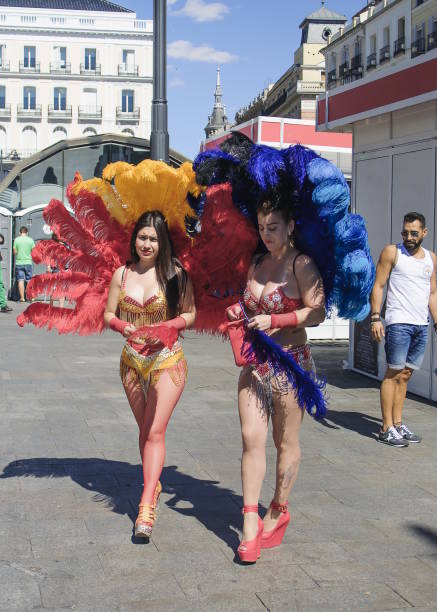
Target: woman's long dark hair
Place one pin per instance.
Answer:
(170, 274)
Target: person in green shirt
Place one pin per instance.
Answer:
(23, 246)
(3, 304)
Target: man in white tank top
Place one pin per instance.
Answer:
(411, 294)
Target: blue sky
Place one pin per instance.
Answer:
(252, 41)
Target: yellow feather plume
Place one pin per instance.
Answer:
(150, 185)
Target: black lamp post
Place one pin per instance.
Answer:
(159, 141)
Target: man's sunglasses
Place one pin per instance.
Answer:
(406, 233)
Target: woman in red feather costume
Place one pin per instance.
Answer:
(152, 290)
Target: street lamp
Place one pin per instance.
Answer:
(159, 140)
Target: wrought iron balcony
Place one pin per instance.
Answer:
(357, 66)
(91, 71)
(124, 115)
(276, 104)
(27, 66)
(5, 66)
(88, 113)
(33, 112)
(5, 111)
(399, 46)
(60, 68)
(127, 70)
(343, 69)
(332, 77)
(418, 46)
(371, 61)
(384, 54)
(60, 113)
(432, 40)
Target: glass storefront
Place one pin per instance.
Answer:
(40, 180)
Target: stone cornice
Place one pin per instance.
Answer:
(56, 32)
(75, 77)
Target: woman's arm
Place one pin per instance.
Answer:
(110, 316)
(311, 290)
(187, 306)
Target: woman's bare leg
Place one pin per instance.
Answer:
(160, 403)
(254, 426)
(286, 421)
(137, 402)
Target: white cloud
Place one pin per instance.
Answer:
(176, 82)
(184, 49)
(199, 10)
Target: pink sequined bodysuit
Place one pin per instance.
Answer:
(274, 302)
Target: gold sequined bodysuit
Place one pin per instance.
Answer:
(144, 369)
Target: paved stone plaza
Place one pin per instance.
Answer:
(364, 515)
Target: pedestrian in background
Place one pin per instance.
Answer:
(23, 246)
(411, 294)
(3, 304)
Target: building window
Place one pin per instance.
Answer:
(62, 56)
(89, 131)
(3, 141)
(29, 98)
(59, 99)
(29, 59)
(59, 133)
(128, 59)
(2, 96)
(127, 101)
(373, 43)
(386, 36)
(90, 59)
(29, 140)
(401, 27)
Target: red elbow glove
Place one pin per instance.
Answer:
(235, 309)
(118, 325)
(287, 319)
(178, 323)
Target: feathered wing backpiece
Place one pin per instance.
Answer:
(94, 241)
(318, 196)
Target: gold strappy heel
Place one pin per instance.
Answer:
(147, 515)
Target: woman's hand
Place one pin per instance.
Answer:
(128, 330)
(262, 322)
(234, 312)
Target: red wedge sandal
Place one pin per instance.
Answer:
(270, 539)
(250, 550)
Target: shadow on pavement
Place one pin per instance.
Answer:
(359, 422)
(118, 485)
(427, 533)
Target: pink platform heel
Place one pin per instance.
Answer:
(250, 550)
(270, 539)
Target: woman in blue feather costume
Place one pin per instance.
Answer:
(313, 258)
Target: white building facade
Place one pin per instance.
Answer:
(387, 98)
(72, 73)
